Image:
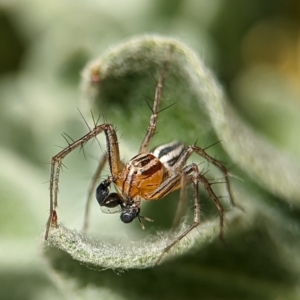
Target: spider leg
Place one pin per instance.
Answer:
(115, 164)
(91, 191)
(191, 172)
(153, 119)
(182, 203)
(221, 167)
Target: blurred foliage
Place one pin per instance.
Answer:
(253, 47)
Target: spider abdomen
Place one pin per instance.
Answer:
(169, 153)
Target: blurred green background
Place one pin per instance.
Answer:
(252, 46)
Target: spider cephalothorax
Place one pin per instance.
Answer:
(150, 175)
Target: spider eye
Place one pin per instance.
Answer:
(128, 215)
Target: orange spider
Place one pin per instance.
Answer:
(147, 176)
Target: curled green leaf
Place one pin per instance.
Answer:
(115, 84)
(268, 166)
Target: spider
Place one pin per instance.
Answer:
(149, 175)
